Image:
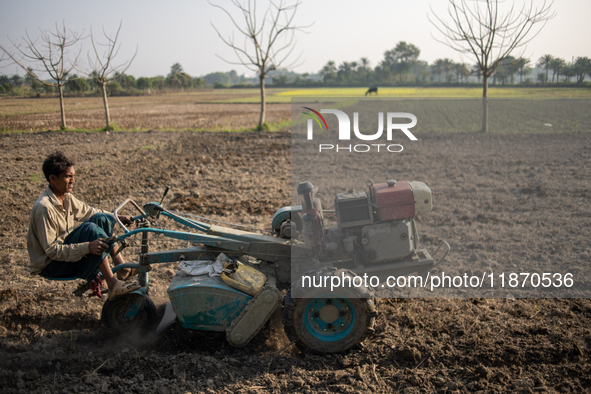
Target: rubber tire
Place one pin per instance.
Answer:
(144, 322)
(293, 318)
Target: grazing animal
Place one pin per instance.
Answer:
(373, 89)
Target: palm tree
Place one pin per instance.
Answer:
(421, 71)
(505, 70)
(568, 72)
(556, 65)
(462, 71)
(402, 58)
(438, 68)
(544, 62)
(581, 67)
(345, 71)
(448, 66)
(512, 67)
(328, 71)
(364, 68)
(523, 66)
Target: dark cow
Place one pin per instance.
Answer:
(373, 89)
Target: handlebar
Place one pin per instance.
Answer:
(129, 200)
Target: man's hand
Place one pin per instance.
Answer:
(125, 220)
(97, 247)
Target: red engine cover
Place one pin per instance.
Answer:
(393, 202)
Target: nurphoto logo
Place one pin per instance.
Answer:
(344, 133)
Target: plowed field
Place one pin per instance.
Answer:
(51, 341)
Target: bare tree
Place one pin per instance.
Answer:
(53, 53)
(103, 69)
(489, 34)
(262, 50)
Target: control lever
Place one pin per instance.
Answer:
(164, 195)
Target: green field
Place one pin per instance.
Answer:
(285, 95)
(26, 106)
(434, 115)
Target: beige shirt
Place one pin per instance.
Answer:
(49, 224)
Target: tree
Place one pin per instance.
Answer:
(364, 69)
(76, 84)
(475, 70)
(328, 72)
(176, 69)
(462, 71)
(198, 82)
(16, 80)
(401, 59)
(103, 69)
(510, 67)
(280, 80)
(438, 68)
(262, 50)
(144, 83)
(345, 72)
(177, 78)
(523, 67)
(448, 66)
(421, 71)
(502, 72)
(51, 53)
(557, 64)
(488, 34)
(568, 72)
(158, 82)
(581, 67)
(218, 77)
(545, 62)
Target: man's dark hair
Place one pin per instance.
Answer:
(55, 164)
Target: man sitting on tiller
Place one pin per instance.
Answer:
(57, 249)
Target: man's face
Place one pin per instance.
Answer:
(64, 183)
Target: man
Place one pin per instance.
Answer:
(58, 250)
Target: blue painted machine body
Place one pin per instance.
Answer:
(205, 303)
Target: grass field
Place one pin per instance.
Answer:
(285, 95)
(26, 106)
(439, 109)
(506, 115)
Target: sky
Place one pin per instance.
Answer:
(345, 30)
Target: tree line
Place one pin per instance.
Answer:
(120, 84)
(401, 66)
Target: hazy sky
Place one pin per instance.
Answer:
(345, 30)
